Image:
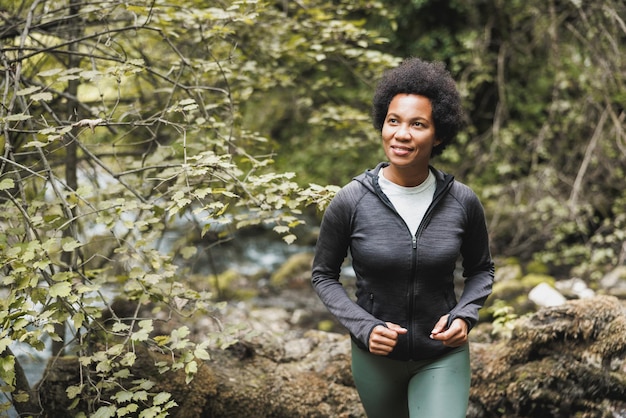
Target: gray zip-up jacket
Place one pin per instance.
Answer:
(401, 278)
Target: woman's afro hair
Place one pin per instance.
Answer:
(429, 79)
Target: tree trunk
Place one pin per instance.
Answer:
(31, 405)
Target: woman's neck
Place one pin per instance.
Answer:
(406, 178)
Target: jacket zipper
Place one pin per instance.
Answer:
(414, 238)
(413, 285)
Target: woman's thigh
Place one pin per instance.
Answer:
(381, 383)
(441, 389)
(436, 388)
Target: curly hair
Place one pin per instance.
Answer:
(428, 79)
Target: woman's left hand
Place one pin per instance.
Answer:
(454, 336)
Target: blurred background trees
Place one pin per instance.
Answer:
(138, 136)
(545, 146)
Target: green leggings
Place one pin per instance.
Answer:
(435, 388)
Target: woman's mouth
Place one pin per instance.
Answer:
(401, 151)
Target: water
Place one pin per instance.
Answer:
(247, 256)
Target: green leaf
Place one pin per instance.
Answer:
(44, 96)
(73, 405)
(49, 73)
(20, 397)
(149, 413)
(161, 397)
(90, 75)
(115, 350)
(191, 367)
(7, 369)
(28, 90)
(128, 409)
(4, 343)
(188, 252)
(17, 117)
(78, 319)
(146, 384)
(36, 144)
(180, 333)
(162, 340)
(20, 323)
(70, 244)
(6, 184)
(61, 289)
(289, 239)
(140, 395)
(119, 327)
(144, 332)
(281, 229)
(123, 396)
(129, 359)
(104, 412)
(122, 374)
(7, 363)
(73, 391)
(202, 354)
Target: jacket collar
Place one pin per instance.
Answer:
(370, 178)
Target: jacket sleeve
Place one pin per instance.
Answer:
(330, 252)
(478, 266)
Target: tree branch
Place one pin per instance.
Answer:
(576, 188)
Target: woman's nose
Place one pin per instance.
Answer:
(403, 132)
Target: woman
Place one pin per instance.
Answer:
(406, 224)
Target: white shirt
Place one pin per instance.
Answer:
(410, 202)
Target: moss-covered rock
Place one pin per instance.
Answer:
(515, 293)
(295, 272)
(565, 361)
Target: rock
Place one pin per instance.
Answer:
(516, 293)
(614, 282)
(545, 295)
(296, 271)
(312, 379)
(563, 361)
(574, 288)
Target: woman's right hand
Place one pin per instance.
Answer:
(384, 339)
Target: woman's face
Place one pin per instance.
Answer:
(409, 132)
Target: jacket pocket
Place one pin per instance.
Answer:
(366, 301)
(370, 303)
(450, 300)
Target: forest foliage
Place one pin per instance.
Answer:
(137, 136)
